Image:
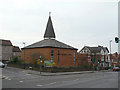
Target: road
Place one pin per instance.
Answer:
(19, 78)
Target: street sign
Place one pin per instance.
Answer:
(38, 62)
(47, 63)
(54, 64)
(40, 57)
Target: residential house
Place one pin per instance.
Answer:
(6, 48)
(97, 55)
(16, 52)
(115, 59)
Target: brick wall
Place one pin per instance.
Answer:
(7, 52)
(64, 58)
(82, 59)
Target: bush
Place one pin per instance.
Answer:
(15, 60)
(86, 66)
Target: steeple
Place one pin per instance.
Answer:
(49, 32)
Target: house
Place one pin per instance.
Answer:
(16, 52)
(115, 59)
(6, 48)
(50, 49)
(97, 55)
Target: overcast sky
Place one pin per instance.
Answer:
(77, 23)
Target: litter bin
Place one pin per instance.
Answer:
(30, 70)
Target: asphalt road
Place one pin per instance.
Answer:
(19, 78)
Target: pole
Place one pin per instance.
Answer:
(24, 54)
(110, 52)
(40, 65)
(58, 58)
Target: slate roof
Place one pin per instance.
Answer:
(50, 43)
(96, 49)
(16, 49)
(49, 32)
(49, 39)
(6, 43)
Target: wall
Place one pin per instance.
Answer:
(7, 52)
(82, 59)
(64, 58)
(18, 54)
(0, 49)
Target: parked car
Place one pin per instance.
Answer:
(2, 65)
(116, 69)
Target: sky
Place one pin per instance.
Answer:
(77, 23)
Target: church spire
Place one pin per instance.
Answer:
(49, 32)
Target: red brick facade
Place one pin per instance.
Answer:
(82, 59)
(114, 60)
(62, 57)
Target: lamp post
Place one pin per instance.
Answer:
(110, 52)
(24, 54)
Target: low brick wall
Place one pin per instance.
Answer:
(51, 69)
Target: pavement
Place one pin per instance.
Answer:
(59, 73)
(33, 72)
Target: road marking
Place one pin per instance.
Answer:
(39, 85)
(76, 80)
(51, 83)
(9, 79)
(27, 74)
(21, 81)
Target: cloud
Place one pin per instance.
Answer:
(76, 22)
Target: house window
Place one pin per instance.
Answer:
(83, 51)
(52, 55)
(102, 58)
(74, 58)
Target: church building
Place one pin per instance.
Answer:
(50, 49)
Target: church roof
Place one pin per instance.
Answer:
(49, 39)
(50, 43)
(49, 32)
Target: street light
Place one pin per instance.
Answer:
(110, 51)
(24, 54)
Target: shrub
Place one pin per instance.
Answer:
(86, 66)
(15, 60)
